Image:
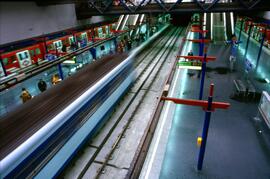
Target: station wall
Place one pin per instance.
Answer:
(22, 20)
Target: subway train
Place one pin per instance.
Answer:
(27, 56)
(52, 126)
(39, 138)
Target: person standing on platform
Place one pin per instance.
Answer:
(129, 44)
(190, 53)
(93, 52)
(25, 95)
(42, 86)
(55, 79)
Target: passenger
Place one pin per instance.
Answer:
(73, 46)
(122, 45)
(42, 86)
(129, 44)
(55, 79)
(137, 39)
(119, 48)
(25, 95)
(190, 53)
(64, 48)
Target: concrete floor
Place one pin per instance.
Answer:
(238, 144)
(235, 147)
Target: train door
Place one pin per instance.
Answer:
(58, 44)
(107, 31)
(84, 39)
(2, 73)
(100, 32)
(71, 40)
(84, 36)
(24, 58)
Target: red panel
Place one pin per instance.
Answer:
(199, 40)
(201, 58)
(203, 104)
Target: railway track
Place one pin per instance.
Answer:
(110, 153)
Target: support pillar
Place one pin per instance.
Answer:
(260, 50)
(241, 28)
(205, 129)
(249, 33)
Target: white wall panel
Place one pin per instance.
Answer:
(22, 20)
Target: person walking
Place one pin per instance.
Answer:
(42, 86)
(25, 95)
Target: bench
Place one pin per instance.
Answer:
(245, 91)
(240, 89)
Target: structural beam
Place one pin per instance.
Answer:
(98, 7)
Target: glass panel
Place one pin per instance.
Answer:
(20, 56)
(32, 52)
(37, 51)
(5, 61)
(26, 54)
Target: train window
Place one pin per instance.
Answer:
(58, 44)
(5, 61)
(84, 35)
(102, 47)
(71, 40)
(100, 32)
(37, 51)
(32, 53)
(23, 55)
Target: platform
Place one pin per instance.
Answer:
(238, 144)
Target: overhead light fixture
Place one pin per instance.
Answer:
(267, 80)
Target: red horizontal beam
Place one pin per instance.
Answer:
(201, 58)
(199, 40)
(203, 104)
(199, 30)
(118, 31)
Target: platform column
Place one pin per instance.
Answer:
(249, 33)
(60, 71)
(201, 36)
(59, 66)
(260, 50)
(205, 128)
(202, 77)
(242, 23)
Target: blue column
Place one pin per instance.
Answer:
(249, 32)
(205, 133)
(201, 45)
(61, 74)
(260, 50)
(202, 77)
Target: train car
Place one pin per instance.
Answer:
(55, 130)
(18, 59)
(22, 58)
